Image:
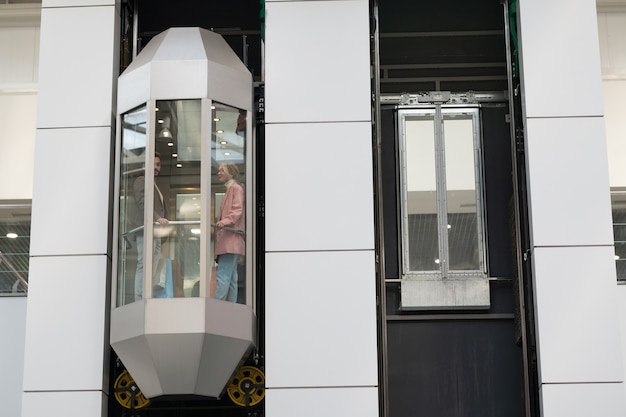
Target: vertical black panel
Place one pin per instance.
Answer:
(454, 369)
(496, 140)
(390, 191)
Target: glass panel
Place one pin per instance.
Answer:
(176, 242)
(14, 248)
(460, 163)
(131, 229)
(421, 237)
(227, 203)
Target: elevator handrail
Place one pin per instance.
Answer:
(184, 222)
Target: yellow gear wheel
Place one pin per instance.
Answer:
(247, 387)
(127, 393)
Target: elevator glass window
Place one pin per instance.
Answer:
(228, 202)
(132, 164)
(184, 225)
(441, 197)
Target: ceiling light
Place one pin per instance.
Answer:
(11, 235)
(170, 143)
(437, 261)
(165, 133)
(179, 165)
(220, 131)
(174, 155)
(227, 153)
(216, 119)
(195, 231)
(160, 121)
(223, 142)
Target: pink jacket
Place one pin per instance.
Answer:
(231, 213)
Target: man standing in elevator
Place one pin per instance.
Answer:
(159, 218)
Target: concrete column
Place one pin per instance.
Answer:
(572, 257)
(67, 350)
(321, 344)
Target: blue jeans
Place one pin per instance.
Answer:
(226, 277)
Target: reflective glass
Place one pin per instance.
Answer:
(422, 240)
(177, 207)
(460, 163)
(227, 203)
(131, 225)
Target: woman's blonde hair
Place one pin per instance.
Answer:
(232, 169)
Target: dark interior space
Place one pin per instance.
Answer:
(238, 21)
(449, 46)
(451, 363)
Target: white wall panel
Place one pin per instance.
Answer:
(65, 333)
(12, 331)
(82, 71)
(17, 118)
(583, 400)
(327, 402)
(560, 58)
(568, 181)
(63, 404)
(577, 316)
(72, 191)
(319, 187)
(320, 320)
(317, 61)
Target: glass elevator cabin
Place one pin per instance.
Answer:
(182, 317)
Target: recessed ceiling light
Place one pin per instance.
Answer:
(227, 153)
(174, 155)
(170, 143)
(216, 119)
(179, 165)
(160, 121)
(11, 235)
(220, 131)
